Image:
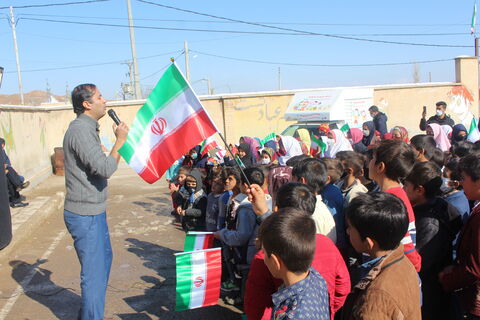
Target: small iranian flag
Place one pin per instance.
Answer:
(345, 128)
(269, 137)
(171, 122)
(208, 145)
(473, 133)
(319, 142)
(198, 241)
(198, 278)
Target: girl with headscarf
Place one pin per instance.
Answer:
(400, 133)
(439, 136)
(303, 138)
(289, 147)
(357, 135)
(448, 131)
(254, 146)
(336, 142)
(459, 133)
(245, 154)
(368, 133)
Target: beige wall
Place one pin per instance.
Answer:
(32, 132)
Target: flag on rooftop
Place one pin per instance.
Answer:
(171, 122)
(474, 19)
(198, 278)
(198, 241)
(473, 133)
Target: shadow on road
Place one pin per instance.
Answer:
(161, 206)
(159, 296)
(61, 301)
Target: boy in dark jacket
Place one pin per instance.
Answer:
(437, 224)
(192, 203)
(463, 276)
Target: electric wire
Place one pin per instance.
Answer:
(302, 31)
(273, 23)
(54, 4)
(93, 64)
(317, 65)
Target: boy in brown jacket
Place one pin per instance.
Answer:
(389, 285)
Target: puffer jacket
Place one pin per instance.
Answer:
(389, 291)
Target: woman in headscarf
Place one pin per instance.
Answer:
(336, 142)
(459, 133)
(303, 137)
(356, 135)
(368, 133)
(439, 136)
(245, 154)
(400, 133)
(254, 146)
(288, 147)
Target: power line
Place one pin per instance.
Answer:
(302, 31)
(162, 68)
(54, 4)
(94, 64)
(295, 33)
(318, 65)
(276, 33)
(272, 23)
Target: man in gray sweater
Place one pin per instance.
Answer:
(87, 169)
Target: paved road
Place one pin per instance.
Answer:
(39, 278)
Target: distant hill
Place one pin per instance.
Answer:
(32, 98)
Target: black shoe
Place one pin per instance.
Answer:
(25, 184)
(18, 204)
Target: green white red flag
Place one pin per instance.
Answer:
(195, 240)
(198, 278)
(473, 133)
(322, 146)
(208, 145)
(474, 19)
(345, 128)
(170, 123)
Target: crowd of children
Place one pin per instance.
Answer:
(371, 228)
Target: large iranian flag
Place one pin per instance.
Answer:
(168, 125)
(198, 278)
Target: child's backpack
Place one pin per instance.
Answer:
(277, 177)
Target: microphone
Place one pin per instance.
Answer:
(114, 116)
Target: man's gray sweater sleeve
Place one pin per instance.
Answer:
(88, 149)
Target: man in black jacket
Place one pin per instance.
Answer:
(440, 117)
(379, 120)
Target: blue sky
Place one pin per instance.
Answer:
(47, 45)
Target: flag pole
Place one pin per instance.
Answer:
(226, 145)
(228, 148)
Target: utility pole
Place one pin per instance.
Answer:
(279, 79)
(138, 90)
(187, 63)
(476, 47)
(19, 74)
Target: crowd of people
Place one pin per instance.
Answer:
(376, 225)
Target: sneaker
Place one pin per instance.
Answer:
(25, 184)
(18, 204)
(228, 286)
